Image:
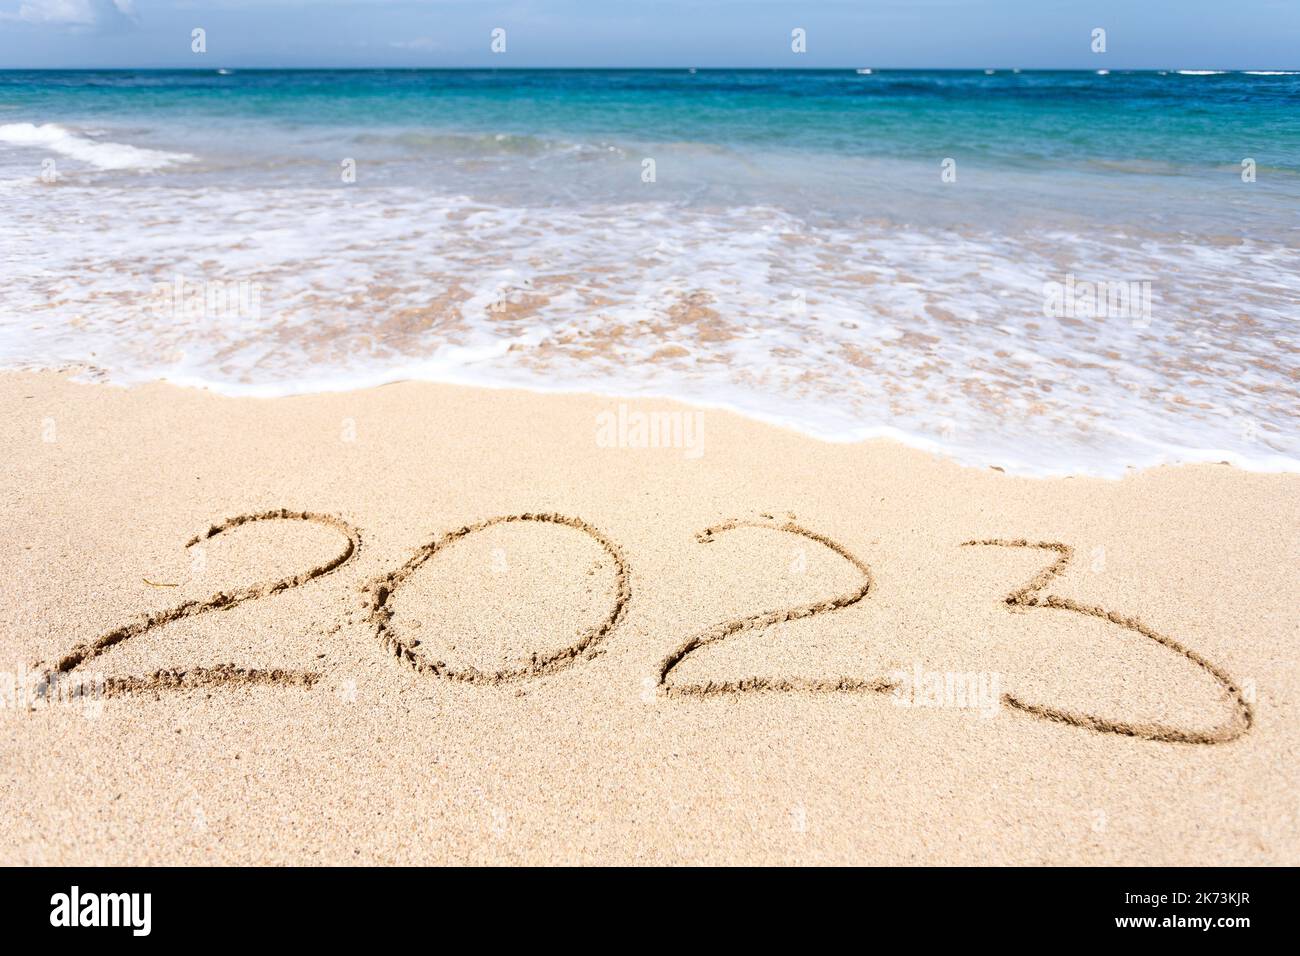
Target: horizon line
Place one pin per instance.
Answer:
(650, 69)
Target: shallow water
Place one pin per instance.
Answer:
(797, 255)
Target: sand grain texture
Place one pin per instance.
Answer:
(599, 679)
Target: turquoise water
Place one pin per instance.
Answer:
(782, 242)
(998, 127)
(1035, 117)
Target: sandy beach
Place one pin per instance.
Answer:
(433, 624)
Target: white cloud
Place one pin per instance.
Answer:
(77, 14)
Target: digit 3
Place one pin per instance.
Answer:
(1028, 596)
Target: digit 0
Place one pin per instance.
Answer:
(411, 652)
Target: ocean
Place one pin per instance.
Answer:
(1051, 272)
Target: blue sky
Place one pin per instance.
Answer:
(1188, 34)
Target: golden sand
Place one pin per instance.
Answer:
(429, 624)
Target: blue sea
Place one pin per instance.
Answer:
(1051, 272)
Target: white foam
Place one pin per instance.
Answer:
(1201, 72)
(102, 155)
(845, 331)
(1271, 72)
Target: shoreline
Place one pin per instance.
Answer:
(1272, 464)
(428, 623)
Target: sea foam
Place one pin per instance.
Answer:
(97, 153)
(939, 338)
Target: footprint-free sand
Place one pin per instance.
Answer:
(433, 624)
